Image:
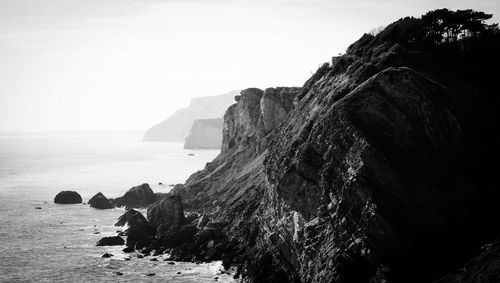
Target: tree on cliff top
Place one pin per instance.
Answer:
(438, 27)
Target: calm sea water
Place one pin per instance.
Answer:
(56, 243)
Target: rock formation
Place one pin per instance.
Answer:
(99, 201)
(136, 197)
(139, 232)
(370, 174)
(177, 126)
(166, 212)
(380, 168)
(205, 134)
(111, 241)
(68, 197)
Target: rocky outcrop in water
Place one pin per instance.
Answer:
(111, 241)
(139, 232)
(68, 197)
(136, 197)
(99, 201)
(205, 134)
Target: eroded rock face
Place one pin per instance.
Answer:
(357, 170)
(241, 120)
(275, 105)
(68, 197)
(166, 212)
(99, 201)
(137, 197)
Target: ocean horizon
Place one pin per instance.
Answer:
(57, 242)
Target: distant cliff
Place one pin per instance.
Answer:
(205, 134)
(177, 126)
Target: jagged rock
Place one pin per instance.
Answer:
(275, 105)
(202, 222)
(137, 197)
(205, 134)
(138, 231)
(111, 241)
(68, 197)
(100, 201)
(166, 212)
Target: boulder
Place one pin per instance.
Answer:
(100, 201)
(166, 212)
(68, 197)
(111, 241)
(137, 197)
(128, 250)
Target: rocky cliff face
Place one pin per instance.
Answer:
(368, 173)
(205, 134)
(177, 126)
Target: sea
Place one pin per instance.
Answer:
(57, 242)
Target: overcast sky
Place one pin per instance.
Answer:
(128, 64)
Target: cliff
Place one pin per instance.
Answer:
(381, 168)
(205, 134)
(177, 126)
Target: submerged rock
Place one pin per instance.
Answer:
(68, 197)
(111, 241)
(107, 255)
(100, 201)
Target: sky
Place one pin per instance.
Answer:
(128, 64)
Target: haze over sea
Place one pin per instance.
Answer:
(57, 242)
